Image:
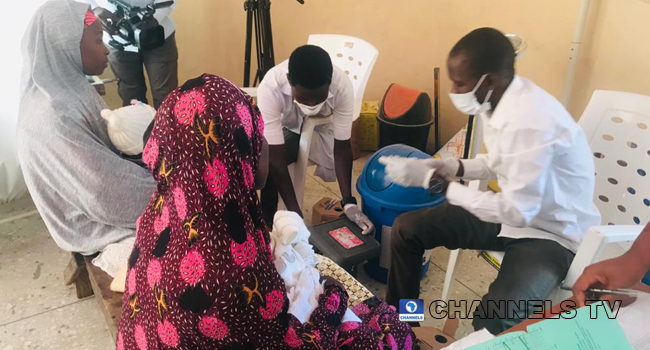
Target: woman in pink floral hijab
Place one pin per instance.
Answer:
(201, 274)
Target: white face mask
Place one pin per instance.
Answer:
(468, 103)
(309, 111)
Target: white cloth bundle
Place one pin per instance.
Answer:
(127, 125)
(295, 260)
(291, 248)
(112, 258)
(289, 227)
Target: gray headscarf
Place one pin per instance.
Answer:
(86, 193)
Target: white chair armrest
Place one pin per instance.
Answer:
(592, 246)
(617, 233)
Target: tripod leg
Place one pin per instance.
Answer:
(269, 54)
(247, 49)
(266, 59)
(260, 40)
(258, 19)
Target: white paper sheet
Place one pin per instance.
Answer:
(635, 321)
(472, 339)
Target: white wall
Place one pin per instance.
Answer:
(14, 17)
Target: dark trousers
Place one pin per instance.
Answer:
(269, 196)
(530, 270)
(162, 70)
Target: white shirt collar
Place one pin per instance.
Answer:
(499, 116)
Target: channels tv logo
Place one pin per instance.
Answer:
(411, 310)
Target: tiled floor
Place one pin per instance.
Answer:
(37, 311)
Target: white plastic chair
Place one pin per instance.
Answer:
(357, 58)
(617, 125)
(251, 91)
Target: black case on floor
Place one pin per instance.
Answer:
(329, 247)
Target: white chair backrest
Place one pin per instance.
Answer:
(356, 57)
(617, 126)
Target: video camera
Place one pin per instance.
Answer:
(137, 26)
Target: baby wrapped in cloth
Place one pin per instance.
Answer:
(127, 125)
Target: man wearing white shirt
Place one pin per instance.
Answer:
(128, 64)
(307, 85)
(545, 169)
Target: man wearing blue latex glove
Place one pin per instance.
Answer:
(546, 173)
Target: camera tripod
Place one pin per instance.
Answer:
(258, 12)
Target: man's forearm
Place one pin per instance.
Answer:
(285, 188)
(343, 165)
(640, 250)
(282, 179)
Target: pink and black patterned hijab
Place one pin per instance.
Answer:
(204, 151)
(202, 258)
(201, 274)
(210, 124)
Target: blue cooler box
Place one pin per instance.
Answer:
(384, 201)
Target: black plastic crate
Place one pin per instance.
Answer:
(347, 258)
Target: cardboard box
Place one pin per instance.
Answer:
(320, 214)
(355, 140)
(431, 338)
(368, 130)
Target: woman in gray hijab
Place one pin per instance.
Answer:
(88, 196)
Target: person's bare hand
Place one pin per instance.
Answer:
(620, 272)
(617, 300)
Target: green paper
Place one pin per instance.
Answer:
(594, 327)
